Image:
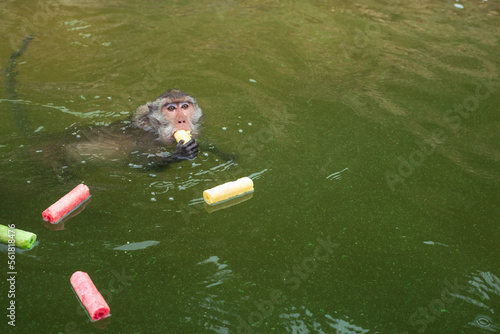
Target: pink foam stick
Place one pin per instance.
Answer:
(90, 297)
(66, 203)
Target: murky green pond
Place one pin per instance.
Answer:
(370, 130)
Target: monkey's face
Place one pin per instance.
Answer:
(179, 114)
(170, 112)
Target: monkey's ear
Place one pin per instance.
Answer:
(143, 110)
(143, 119)
(151, 107)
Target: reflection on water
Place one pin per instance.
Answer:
(137, 245)
(301, 320)
(483, 296)
(485, 322)
(336, 175)
(216, 311)
(484, 287)
(223, 273)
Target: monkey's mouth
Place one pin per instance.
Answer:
(168, 137)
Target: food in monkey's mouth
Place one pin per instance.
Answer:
(182, 134)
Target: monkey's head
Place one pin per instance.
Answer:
(172, 111)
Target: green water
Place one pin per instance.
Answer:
(370, 129)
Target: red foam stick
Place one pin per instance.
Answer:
(90, 297)
(66, 204)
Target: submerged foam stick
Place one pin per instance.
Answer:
(228, 190)
(182, 134)
(229, 203)
(90, 297)
(66, 204)
(22, 239)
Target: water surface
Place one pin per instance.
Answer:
(370, 129)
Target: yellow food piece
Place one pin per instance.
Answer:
(182, 134)
(228, 190)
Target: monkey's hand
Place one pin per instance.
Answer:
(186, 151)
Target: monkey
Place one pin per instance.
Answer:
(170, 112)
(145, 140)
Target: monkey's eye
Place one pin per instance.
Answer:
(185, 105)
(170, 107)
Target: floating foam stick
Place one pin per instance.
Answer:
(228, 190)
(66, 204)
(182, 134)
(22, 239)
(90, 297)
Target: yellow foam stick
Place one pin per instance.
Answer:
(182, 134)
(228, 190)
